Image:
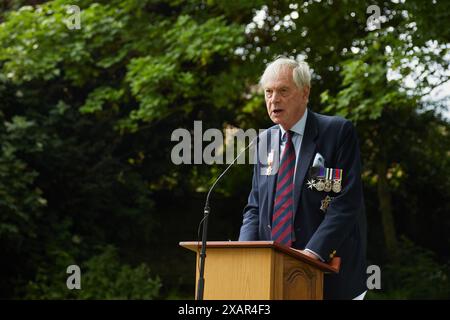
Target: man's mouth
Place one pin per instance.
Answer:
(277, 111)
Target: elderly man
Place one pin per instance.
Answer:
(312, 198)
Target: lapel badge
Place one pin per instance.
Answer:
(270, 162)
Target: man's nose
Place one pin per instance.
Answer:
(275, 97)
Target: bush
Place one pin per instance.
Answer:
(102, 277)
(416, 275)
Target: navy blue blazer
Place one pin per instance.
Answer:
(341, 230)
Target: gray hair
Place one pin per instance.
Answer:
(300, 71)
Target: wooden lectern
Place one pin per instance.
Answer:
(260, 270)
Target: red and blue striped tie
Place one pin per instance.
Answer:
(283, 212)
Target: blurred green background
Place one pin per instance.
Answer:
(86, 117)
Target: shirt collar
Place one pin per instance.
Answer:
(298, 127)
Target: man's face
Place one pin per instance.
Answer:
(285, 102)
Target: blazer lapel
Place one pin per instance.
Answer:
(307, 150)
(272, 179)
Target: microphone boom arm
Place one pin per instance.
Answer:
(206, 211)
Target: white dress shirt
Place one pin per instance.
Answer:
(298, 130)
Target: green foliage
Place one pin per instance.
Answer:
(70, 179)
(417, 275)
(98, 97)
(164, 61)
(86, 118)
(366, 92)
(20, 200)
(102, 277)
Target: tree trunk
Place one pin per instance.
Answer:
(384, 198)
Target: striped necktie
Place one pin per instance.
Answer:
(283, 212)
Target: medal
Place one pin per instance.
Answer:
(311, 183)
(327, 186)
(320, 185)
(337, 179)
(325, 203)
(327, 179)
(337, 186)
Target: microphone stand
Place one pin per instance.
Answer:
(206, 211)
(201, 279)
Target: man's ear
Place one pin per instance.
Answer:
(305, 90)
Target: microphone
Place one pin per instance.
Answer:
(204, 221)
